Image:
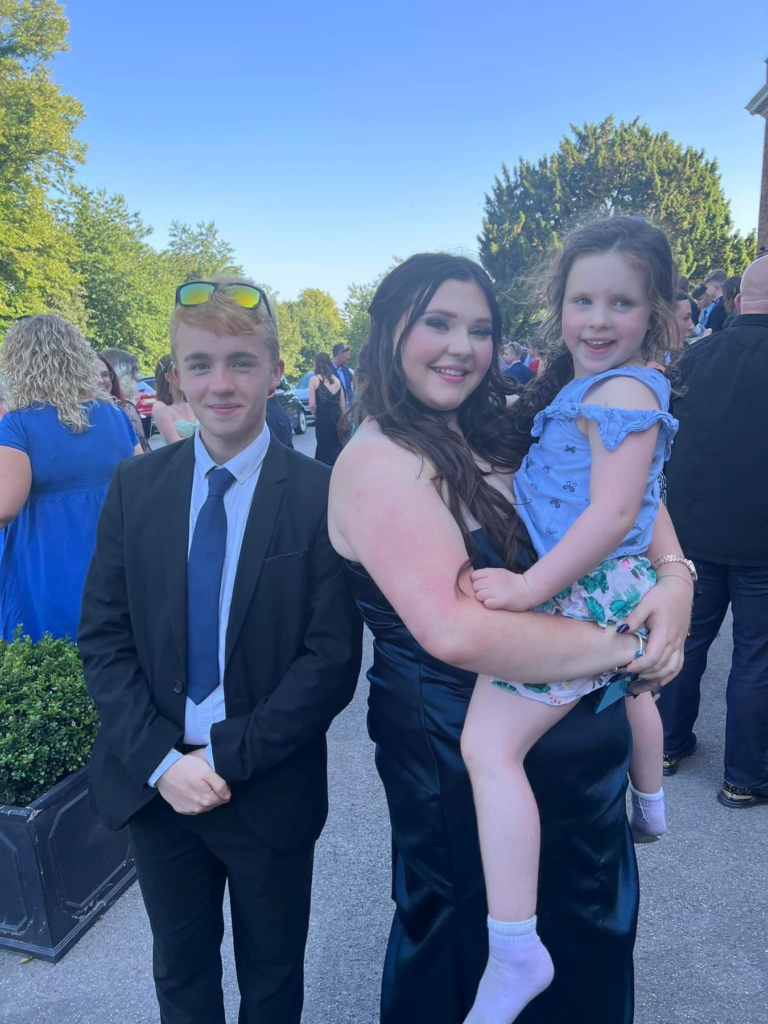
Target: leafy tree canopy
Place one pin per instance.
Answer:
(38, 152)
(199, 253)
(606, 169)
(128, 286)
(354, 312)
(308, 325)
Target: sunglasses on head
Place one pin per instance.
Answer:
(195, 293)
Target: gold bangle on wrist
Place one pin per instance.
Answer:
(669, 559)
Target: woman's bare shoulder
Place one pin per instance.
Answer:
(370, 453)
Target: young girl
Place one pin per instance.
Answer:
(588, 494)
(172, 413)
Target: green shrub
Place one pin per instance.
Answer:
(47, 720)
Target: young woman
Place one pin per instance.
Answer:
(60, 441)
(423, 487)
(172, 413)
(327, 404)
(110, 381)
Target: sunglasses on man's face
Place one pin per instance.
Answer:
(195, 293)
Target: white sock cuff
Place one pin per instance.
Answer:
(647, 796)
(511, 928)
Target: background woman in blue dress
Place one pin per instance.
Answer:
(422, 488)
(60, 440)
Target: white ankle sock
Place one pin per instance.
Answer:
(648, 820)
(519, 968)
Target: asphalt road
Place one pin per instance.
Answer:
(702, 950)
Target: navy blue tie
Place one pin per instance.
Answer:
(204, 570)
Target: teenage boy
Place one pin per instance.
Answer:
(218, 646)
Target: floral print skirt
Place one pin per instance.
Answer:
(606, 596)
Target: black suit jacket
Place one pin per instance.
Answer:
(717, 490)
(293, 642)
(717, 317)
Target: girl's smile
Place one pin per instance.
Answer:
(606, 312)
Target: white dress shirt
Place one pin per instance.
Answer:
(246, 469)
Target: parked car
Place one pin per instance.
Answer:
(287, 397)
(301, 390)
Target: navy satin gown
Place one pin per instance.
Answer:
(588, 893)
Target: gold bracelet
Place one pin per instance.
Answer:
(667, 559)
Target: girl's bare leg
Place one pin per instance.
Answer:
(500, 729)
(648, 818)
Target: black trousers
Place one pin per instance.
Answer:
(745, 589)
(183, 863)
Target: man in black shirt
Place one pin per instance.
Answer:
(718, 498)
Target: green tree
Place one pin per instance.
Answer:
(310, 324)
(128, 286)
(354, 312)
(291, 345)
(38, 153)
(606, 169)
(199, 253)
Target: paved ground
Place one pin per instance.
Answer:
(702, 949)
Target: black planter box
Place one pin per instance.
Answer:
(60, 869)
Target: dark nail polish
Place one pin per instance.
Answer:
(623, 628)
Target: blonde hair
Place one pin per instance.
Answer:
(45, 360)
(222, 315)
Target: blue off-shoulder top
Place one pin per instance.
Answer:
(552, 485)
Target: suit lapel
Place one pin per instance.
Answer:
(177, 497)
(262, 518)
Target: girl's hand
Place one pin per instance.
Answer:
(499, 588)
(666, 611)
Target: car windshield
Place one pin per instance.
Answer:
(304, 381)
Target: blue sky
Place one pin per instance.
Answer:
(325, 138)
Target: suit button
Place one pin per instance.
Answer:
(178, 686)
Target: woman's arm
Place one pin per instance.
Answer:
(134, 419)
(666, 610)
(385, 512)
(342, 402)
(164, 422)
(313, 382)
(15, 483)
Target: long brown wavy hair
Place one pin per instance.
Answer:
(163, 391)
(383, 394)
(647, 248)
(114, 385)
(324, 367)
